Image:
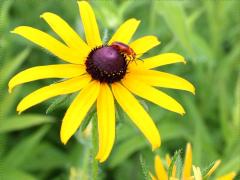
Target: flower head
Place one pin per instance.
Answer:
(187, 174)
(101, 72)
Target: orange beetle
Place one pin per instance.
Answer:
(125, 49)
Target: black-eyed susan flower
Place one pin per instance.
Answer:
(101, 72)
(187, 174)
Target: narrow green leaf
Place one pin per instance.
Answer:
(144, 167)
(9, 68)
(175, 17)
(174, 159)
(58, 101)
(126, 149)
(16, 174)
(179, 166)
(23, 149)
(230, 165)
(15, 123)
(88, 118)
(46, 157)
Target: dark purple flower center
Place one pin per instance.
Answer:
(106, 64)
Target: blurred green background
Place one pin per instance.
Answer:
(206, 32)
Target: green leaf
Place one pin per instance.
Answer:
(15, 123)
(230, 165)
(88, 118)
(46, 157)
(10, 67)
(4, 10)
(17, 156)
(126, 149)
(175, 17)
(58, 101)
(15, 174)
(179, 166)
(144, 167)
(174, 159)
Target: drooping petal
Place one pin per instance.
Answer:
(229, 176)
(42, 94)
(187, 167)
(43, 72)
(159, 60)
(144, 44)
(159, 169)
(137, 114)
(125, 31)
(212, 170)
(69, 36)
(90, 24)
(150, 93)
(106, 122)
(50, 43)
(78, 110)
(162, 79)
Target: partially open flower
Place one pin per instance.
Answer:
(187, 174)
(101, 72)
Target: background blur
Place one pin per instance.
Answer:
(206, 32)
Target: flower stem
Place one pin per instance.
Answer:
(94, 148)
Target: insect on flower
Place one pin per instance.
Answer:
(101, 73)
(125, 49)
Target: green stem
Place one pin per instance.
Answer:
(94, 149)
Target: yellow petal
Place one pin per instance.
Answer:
(197, 173)
(187, 162)
(43, 72)
(69, 36)
(125, 31)
(106, 122)
(51, 44)
(78, 110)
(229, 176)
(137, 114)
(159, 169)
(150, 93)
(168, 160)
(159, 60)
(144, 44)
(42, 94)
(215, 166)
(162, 79)
(90, 24)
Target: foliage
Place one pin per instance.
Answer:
(206, 32)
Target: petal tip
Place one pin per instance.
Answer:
(19, 112)
(13, 31)
(194, 91)
(63, 137)
(156, 146)
(18, 29)
(102, 160)
(182, 113)
(64, 141)
(9, 90)
(43, 15)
